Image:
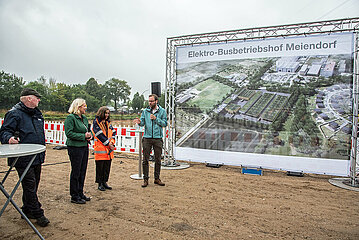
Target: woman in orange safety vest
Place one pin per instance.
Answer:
(104, 138)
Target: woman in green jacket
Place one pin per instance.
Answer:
(78, 135)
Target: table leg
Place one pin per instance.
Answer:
(9, 197)
(8, 172)
(139, 175)
(140, 155)
(17, 184)
(21, 212)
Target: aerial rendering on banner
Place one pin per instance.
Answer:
(285, 96)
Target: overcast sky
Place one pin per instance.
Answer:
(74, 40)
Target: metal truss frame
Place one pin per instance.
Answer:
(354, 154)
(301, 29)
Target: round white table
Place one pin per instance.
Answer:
(19, 150)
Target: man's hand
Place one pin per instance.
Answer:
(13, 140)
(136, 121)
(152, 117)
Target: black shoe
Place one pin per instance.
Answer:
(101, 187)
(42, 221)
(87, 199)
(106, 186)
(29, 216)
(78, 201)
(145, 183)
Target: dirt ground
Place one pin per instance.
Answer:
(197, 203)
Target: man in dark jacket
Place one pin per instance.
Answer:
(24, 123)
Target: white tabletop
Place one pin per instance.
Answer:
(18, 150)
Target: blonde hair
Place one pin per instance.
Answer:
(74, 108)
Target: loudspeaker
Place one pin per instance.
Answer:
(156, 88)
(213, 165)
(295, 174)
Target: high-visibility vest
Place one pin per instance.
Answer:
(101, 151)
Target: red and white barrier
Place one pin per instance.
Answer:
(55, 132)
(127, 140)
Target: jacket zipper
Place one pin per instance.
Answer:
(152, 128)
(34, 125)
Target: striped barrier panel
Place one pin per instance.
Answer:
(127, 140)
(55, 132)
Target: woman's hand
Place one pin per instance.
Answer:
(88, 136)
(111, 146)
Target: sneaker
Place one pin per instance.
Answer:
(159, 182)
(78, 201)
(42, 221)
(106, 186)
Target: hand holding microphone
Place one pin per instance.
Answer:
(88, 136)
(111, 146)
(15, 139)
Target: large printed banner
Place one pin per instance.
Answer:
(283, 103)
(332, 44)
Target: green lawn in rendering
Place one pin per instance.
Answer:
(211, 92)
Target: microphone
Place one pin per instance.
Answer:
(17, 135)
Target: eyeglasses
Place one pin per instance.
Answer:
(151, 100)
(84, 105)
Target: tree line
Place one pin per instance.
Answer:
(58, 96)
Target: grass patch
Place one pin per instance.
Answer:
(211, 92)
(251, 101)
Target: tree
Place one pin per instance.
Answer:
(95, 89)
(10, 89)
(79, 91)
(93, 104)
(42, 80)
(117, 90)
(42, 88)
(59, 97)
(137, 102)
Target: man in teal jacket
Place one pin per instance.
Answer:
(154, 118)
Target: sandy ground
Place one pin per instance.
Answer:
(196, 203)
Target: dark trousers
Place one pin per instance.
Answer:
(103, 170)
(30, 184)
(79, 158)
(148, 143)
